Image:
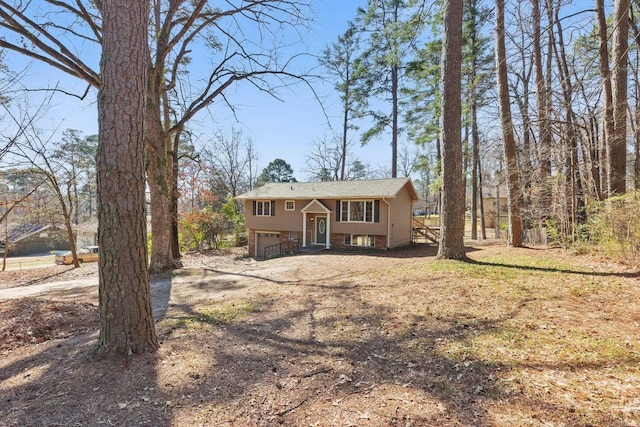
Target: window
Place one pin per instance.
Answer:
(263, 208)
(359, 240)
(357, 211)
(289, 205)
(264, 235)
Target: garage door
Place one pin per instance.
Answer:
(263, 240)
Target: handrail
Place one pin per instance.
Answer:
(288, 246)
(430, 233)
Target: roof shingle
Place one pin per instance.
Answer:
(374, 188)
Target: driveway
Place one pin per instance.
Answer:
(211, 281)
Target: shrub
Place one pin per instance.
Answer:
(615, 227)
(201, 230)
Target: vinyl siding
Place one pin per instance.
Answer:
(401, 212)
(283, 220)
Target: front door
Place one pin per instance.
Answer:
(321, 230)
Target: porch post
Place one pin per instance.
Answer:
(304, 229)
(328, 243)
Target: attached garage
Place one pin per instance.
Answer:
(264, 239)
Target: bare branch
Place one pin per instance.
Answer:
(54, 52)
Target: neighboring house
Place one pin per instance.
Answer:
(338, 214)
(29, 239)
(87, 233)
(494, 199)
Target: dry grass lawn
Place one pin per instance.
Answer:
(515, 337)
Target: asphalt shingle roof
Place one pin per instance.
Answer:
(373, 188)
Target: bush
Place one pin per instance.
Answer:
(615, 227)
(201, 230)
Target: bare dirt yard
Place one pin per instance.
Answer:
(513, 337)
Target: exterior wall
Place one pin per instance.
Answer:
(282, 220)
(291, 221)
(55, 239)
(337, 242)
(401, 213)
(251, 242)
(371, 228)
(489, 205)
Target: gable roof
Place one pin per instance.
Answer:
(19, 232)
(372, 188)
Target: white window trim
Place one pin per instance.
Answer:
(289, 201)
(263, 203)
(348, 210)
(367, 237)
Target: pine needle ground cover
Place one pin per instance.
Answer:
(512, 337)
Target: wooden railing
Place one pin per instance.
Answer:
(421, 229)
(287, 247)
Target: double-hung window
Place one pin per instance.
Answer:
(263, 208)
(356, 211)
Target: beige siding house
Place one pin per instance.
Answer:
(338, 214)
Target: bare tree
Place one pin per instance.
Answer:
(33, 151)
(509, 144)
(234, 58)
(605, 76)
(407, 160)
(617, 142)
(229, 158)
(325, 159)
(543, 103)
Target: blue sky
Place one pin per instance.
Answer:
(287, 129)
(279, 129)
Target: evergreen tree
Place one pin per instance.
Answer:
(391, 27)
(341, 61)
(276, 171)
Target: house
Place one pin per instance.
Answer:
(333, 214)
(87, 233)
(494, 202)
(29, 239)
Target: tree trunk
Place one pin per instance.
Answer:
(573, 176)
(159, 159)
(175, 244)
(605, 77)
(543, 200)
(475, 159)
(618, 141)
(158, 166)
(483, 225)
(476, 192)
(394, 120)
(509, 143)
(126, 321)
(345, 128)
(636, 162)
(453, 201)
